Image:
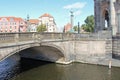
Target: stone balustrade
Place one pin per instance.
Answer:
(29, 36)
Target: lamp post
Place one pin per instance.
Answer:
(78, 27)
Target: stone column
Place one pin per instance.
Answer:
(97, 15)
(113, 17)
(99, 18)
(118, 22)
(117, 6)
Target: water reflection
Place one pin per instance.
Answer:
(74, 71)
(9, 67)
(39, 70)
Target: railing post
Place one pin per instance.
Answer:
(52, 35)
(60, 36)
(16, 37)
(68, 36)
(39, 37)
(33, 37)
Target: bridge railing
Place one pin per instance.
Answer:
(16, 37)
(55, 36)
(26, 36)
(74, 36)
(93, 36)
(20, 37)
(7, 37)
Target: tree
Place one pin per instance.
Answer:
(89, 24)
(75, 28)
(41, 28)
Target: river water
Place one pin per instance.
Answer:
(27, 69)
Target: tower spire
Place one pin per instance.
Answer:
(28, 17)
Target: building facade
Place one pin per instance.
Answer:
(12, 24)
(32, 25)
(67, 27)
(107, 15)
(49, 21)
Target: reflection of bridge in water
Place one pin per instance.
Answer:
(58, 47)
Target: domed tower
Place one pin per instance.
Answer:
(107, 15)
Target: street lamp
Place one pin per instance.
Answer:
(78, 27)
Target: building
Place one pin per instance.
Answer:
(107, 15)
(12, 24)
(32, 25)
(67, 27)
(49, 21)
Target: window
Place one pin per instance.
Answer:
(6, 30)
(5, 23)
(15, 27)
(10, 27)
(106, 18)
(10, 30)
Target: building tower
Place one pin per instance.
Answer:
(28, 17)
(107, 15)
(28, 24)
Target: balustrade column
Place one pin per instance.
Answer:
(17, 37)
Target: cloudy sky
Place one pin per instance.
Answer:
(59, 9)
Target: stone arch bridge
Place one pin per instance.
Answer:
(57, 47)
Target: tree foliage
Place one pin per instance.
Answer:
(41, 28)
(89, 24)
(75, 28)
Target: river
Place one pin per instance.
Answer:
(14, 68)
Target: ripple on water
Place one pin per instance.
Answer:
(8, 67)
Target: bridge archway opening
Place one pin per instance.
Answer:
(46, 53)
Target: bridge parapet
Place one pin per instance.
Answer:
(37, 37)
(5, 37)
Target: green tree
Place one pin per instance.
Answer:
(75, 28)
(41, 28)
(89, 24)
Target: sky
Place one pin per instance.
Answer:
(59, 9)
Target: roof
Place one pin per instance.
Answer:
(34, 21)
(12, 18)
(46, 15)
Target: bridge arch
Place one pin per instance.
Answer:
(48, 52)
(51, 53)
(11, 50)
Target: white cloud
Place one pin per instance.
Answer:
(77, 5)
(78, 12)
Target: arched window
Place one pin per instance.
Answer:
(106, 18)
